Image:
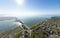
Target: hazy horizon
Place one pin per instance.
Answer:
(29, 8)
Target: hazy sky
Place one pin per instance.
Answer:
(24, 8)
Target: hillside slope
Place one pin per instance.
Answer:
(48, 27)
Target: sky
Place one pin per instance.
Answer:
(29, 8)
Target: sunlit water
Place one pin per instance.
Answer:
(5, 25)
(8, 24)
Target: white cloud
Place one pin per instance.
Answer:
(20, 2)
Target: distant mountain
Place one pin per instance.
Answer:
(55, 18)
(7, 18)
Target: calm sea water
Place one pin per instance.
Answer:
(8, 24)
(32, 21)
(5, 25)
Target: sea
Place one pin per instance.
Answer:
(30, 21)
